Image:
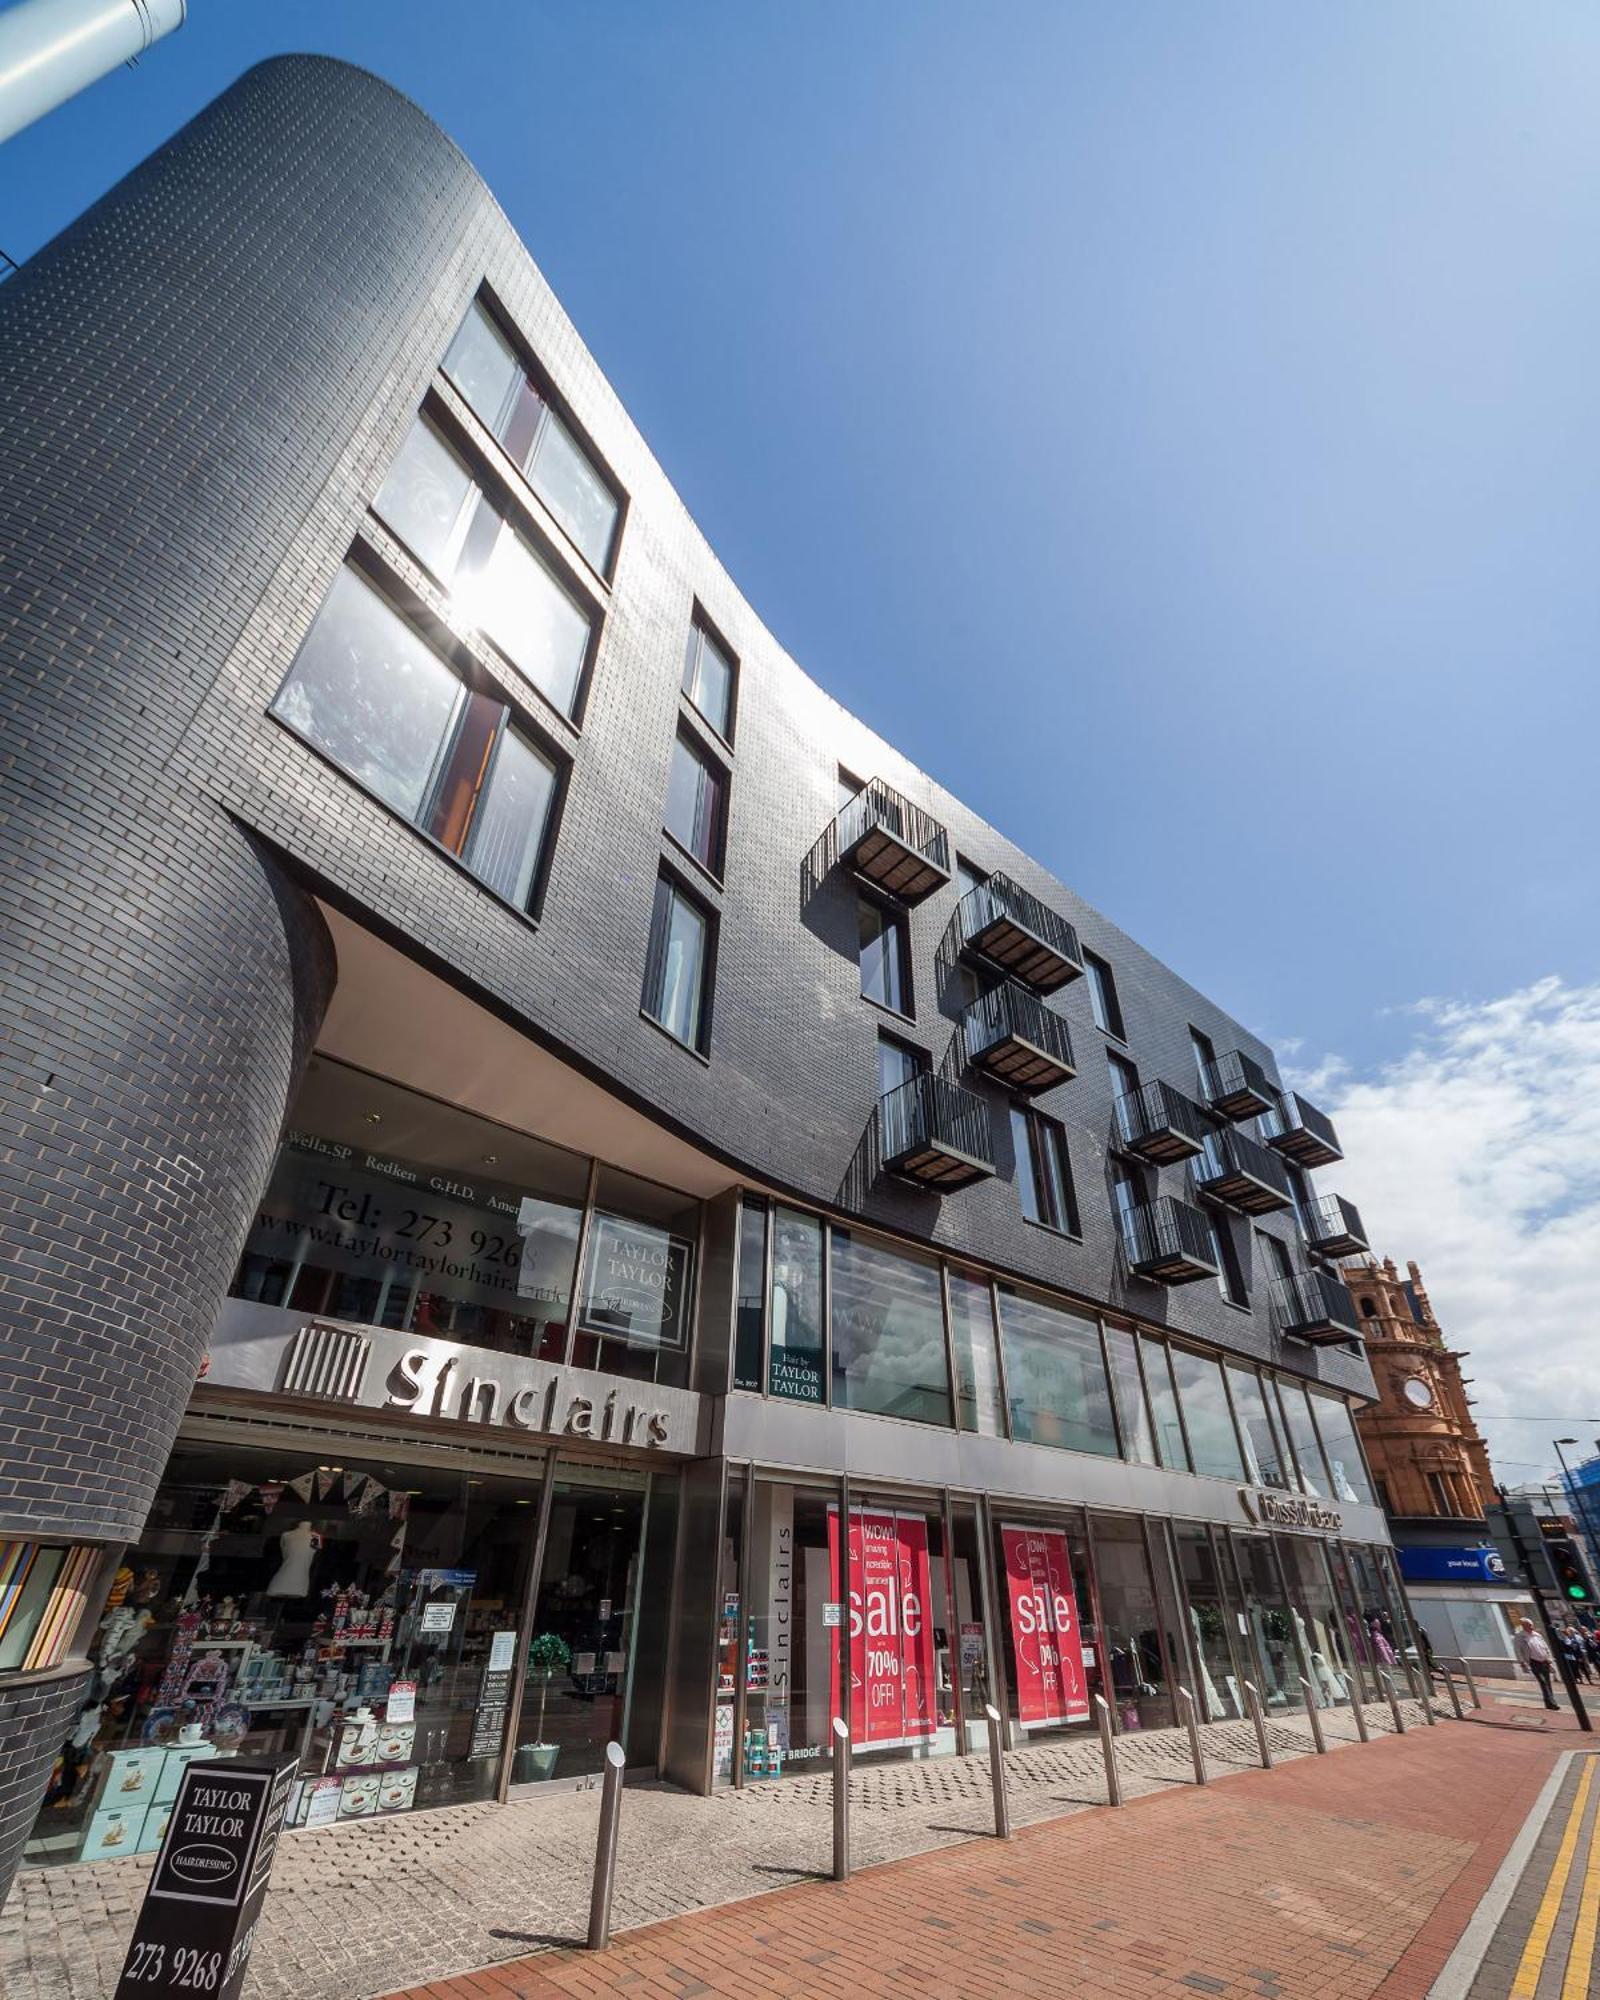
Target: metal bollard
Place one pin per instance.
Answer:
(997, 1771)
(1309, 1696)
(1472, 1686)
(1193, 1727)
(605, 1850)
(1108, 1750)
(1356, 1708)
(841, 1799)
(1455, 1699)
(1252, 1696)
(1394, 1702)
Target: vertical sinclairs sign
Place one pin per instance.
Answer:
(197, 1925)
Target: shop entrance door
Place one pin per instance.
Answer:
(584, 1635)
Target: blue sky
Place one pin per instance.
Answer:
(1213, 387)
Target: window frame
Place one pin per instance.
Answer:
(538, 378)
(700, 629)
(473, 687)
(1036, 1129)
(1104, 999)
(670, 881)
(893, 923)
(687, 741)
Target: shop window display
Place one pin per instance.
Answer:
(898, 1628)
(1211, 1619)
(794, 1317)
(1135, 1654)
(1051, 1641)
(360, 1615)
(1269, 1629)
(1316, 1618)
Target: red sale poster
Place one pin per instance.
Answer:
(1044, 1627)
(890, 1629)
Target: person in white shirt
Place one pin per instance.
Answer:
(1535, 1655)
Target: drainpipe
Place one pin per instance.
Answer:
(52, 49)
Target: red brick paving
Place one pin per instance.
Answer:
(1343, 1878)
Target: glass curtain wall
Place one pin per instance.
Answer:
(1213, 1445)
(1336, 1427)
(1133, 1640)
(1133, 1408)
(980, 1403)
(1268, 1631)
(1317, 1620)
(1267, 1463)
(887, 1320)
(1302, 1432)
(1055, 1377)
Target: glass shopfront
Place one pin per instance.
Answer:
(369, 1616)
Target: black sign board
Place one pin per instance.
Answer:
(489, 1723)
(198, 1922)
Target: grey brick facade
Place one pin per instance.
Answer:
(202, 383)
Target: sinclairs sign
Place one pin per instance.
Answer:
(198, 1923)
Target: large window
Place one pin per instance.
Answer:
(885, 957)
(979, 1404)
(1103, 995)
(1303, 1438)
(1212, 1443)
(1044, 1173)
(1055, 1377)
(372, 696)
(898, 1063)
(636, 1298)
(697, 793)
(708, 677)
(486, 370)
(1265, 1461)
(750, 1313)
(1337, 1428)
(887, 1320)
(795, 1366)
(497, 580)
(678, 969)
(1133, 1412)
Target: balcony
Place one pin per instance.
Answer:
(1237, 1087)
(1160, 1124)
(1302, 1133)
(892, 843)
(1018, 1040)
(1314, 1306)
(1169, 1242)
(935, 1133)
(1333, 1227)
(1006, 926)
(1238, 1170)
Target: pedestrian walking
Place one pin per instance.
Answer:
(1535, 1655)
(1574, 1650)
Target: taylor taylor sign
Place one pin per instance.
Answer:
(408, 1374)
(1289, 1510)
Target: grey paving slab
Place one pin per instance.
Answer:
(361, 1910)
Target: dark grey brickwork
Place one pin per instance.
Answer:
(201, 385)
(35, 1717)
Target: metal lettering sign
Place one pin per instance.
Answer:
(1288, 1510)
(197, 1926)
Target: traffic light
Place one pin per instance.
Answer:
(1572, 1579)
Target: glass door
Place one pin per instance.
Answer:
(1131, 1639)
(1315, 1618)
(1268, 1627)
(1210, 1617)
(581, 1646)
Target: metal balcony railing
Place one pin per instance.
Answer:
(1017, 1038)
(1169, 1241)
(883, 836)
(935, 1132)
(1237, 1086)
(1301, 1132)
(1160, 1123)
(1237, 1169)
(1314, 1306)
(1333, 1226)
(1008, 925)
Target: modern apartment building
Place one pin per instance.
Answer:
(554, 1188)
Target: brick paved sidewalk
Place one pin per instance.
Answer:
(1333, 1878)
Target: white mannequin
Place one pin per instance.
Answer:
(1208, 1687)
(299, 1544)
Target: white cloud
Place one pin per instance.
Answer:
(1477, 1153)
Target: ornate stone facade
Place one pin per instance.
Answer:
(1420, 1437)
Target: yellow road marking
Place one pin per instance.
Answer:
(1575, 1986)
(1526, 1983)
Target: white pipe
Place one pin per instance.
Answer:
(52, 49)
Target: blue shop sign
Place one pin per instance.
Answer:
(1482, 1565)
